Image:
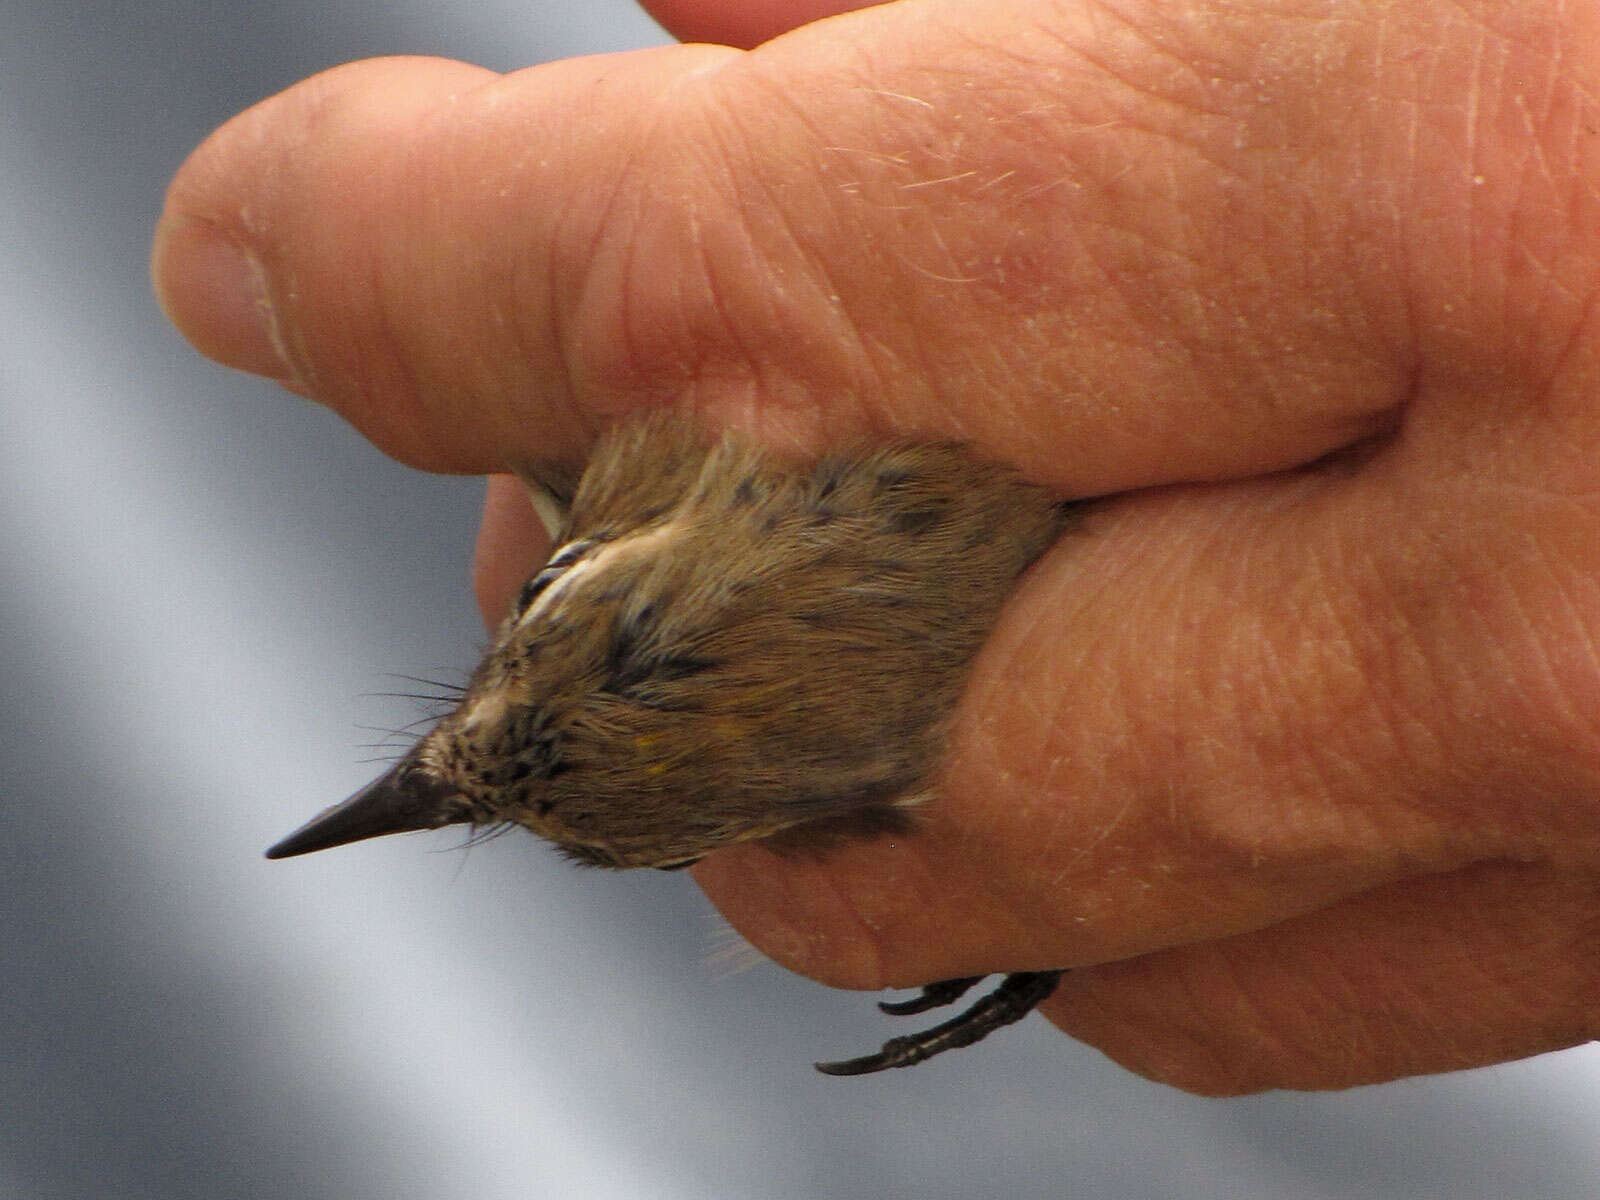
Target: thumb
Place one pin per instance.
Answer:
(413, 242)
(867, 226)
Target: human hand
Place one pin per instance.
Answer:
(1299, 737)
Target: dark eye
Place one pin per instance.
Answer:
(534, 586)
(560, 562)
(566, 555)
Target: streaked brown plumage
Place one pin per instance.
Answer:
(727, 644)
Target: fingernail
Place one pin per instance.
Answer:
(215, 292)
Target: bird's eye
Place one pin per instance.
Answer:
(530, 590)
(560, 562)
(566, 555)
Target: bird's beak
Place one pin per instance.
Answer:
(404, 798)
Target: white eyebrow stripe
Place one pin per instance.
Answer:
(582, 567)
(597, 559)
(567, 554)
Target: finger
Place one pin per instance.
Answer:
(1478, 966)
(1086, 289)
(742, 23)
(512, 544)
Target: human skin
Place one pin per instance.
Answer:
(1292, 749)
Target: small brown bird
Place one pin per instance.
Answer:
(730, 644)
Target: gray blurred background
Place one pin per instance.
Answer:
(206, 582)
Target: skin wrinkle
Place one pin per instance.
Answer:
(1568, 356)
(1548, 289)
(1196, 319)
(1097, 837)
(1407, 1013)
(543, 298)
(616, 235)
(812, 299)
(1576, 730)
(1266, 1037)
(1331, 991)
(1374, 1026)
(867, 971)
(1050, 705)
(1182, 57)
(560, 322)
(813, 269)
(754, 256)
(398, 374)
(628, 308)
(377, 369)
(1524, 832)
(1535, 149)
(1171, 667)
(1184, 744)
(1474, 94)
(1430, 1029)
(1519, 644)
(1272, 739)
(1342, 639)
(1330, 762)
(1357, 1040)
(1274, 726)
(1406, 679)
(727, 328)
(854, 962)
(1535, 130)
(1582, 639)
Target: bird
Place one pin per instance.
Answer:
(727, 644)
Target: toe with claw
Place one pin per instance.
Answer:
(1017, 996)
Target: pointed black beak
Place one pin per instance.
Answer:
(403, 799)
